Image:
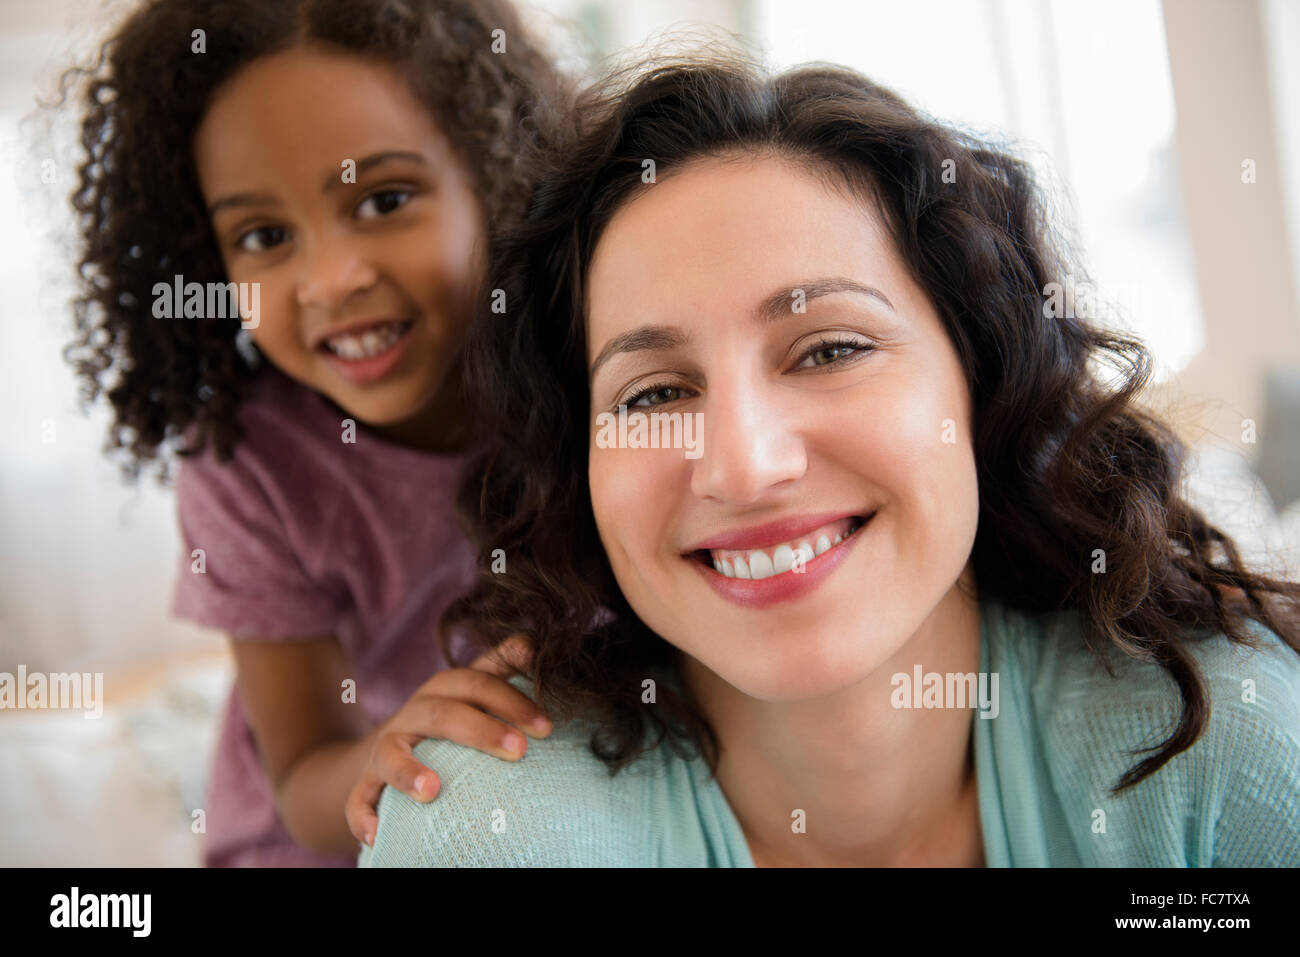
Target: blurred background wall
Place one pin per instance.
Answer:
(1138, 115)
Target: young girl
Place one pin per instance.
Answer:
(923, 589)
(341, 163)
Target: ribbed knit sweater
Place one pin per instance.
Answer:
(1044, 767)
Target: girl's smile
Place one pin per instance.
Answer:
(361, 225)
(368, 350)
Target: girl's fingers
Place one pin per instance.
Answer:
(440, 718)
(363, 822)
(487, 692)
(512, 655)
(393, 764)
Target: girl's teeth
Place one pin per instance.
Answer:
(824, 543)
(367, 344)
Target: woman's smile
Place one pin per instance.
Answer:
(754, 575)
(777, 309)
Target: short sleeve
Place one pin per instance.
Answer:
(238, 571)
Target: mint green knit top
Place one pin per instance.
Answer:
(1044, 767)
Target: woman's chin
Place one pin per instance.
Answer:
(803, 668)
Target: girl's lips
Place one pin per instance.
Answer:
(373, 368)
(785, 586)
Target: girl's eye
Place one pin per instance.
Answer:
(383, 202)
(261, 239)
(831, 352)
(655, 394)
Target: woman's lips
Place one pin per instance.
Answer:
(786, 585)
(759, 563)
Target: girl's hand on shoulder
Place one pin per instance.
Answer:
(454, 704)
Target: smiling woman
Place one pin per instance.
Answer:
(906, 469)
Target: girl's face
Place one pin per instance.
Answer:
(330, 185)
(777, 309)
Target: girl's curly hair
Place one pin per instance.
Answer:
(1067, 463)
(140, 212)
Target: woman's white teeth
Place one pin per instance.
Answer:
(764, 563)
(368, 344)
(760, 566)
(785, 557)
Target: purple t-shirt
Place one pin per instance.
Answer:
(304, 534)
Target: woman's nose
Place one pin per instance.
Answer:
(332, 271)
(752, 446)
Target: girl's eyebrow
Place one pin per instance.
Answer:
(772, 308)
(333, 181)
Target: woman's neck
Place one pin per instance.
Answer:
(873, 785)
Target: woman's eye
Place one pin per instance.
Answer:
(656, 395)
(261, 239)
(829, 353)
(383, 202)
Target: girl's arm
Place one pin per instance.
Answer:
(315, 747)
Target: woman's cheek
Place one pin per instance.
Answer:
(630, 501)
(604, 490)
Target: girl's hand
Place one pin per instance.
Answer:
(453, 704)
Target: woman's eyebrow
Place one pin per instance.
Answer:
(782, 302)
(333, 180)
(778, 304)
(638, 340)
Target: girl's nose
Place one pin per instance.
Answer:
(752, 446)
(331, 273)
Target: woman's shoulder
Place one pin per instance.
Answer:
(1233, 797)
(1249, 687)
(1050, 653)
(557, 806)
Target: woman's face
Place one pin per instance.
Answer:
(330, 185)
(741, 291)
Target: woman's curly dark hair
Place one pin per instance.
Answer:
(140, 211)
(1067, 463)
